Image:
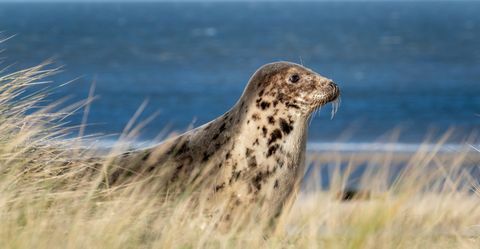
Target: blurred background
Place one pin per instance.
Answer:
(409, 65)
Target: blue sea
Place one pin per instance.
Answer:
(408, 65)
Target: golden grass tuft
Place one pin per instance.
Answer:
(55, 198)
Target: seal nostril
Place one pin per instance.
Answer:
(331, 85)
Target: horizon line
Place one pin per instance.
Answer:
(219, 1)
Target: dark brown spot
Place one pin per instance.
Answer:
(206, 156)
(272, 149)
(292, 105)
(260, 93)
(271, 120)
(222, 127)
(257, 181)
(275, 185)
(248, 152)
(264, 130)
(255, 116)
(219, 187)
(228, 155)
(264, 105)
(286, 127)
(235, 176)
(276, 134)
(274, 168)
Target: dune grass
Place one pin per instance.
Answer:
(54, 198)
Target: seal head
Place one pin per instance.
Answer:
(299, 88)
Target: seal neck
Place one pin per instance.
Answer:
(269, 130)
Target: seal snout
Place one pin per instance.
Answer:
(334, 90)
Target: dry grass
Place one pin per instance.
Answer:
(51, 198)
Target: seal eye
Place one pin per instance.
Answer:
(294, 78)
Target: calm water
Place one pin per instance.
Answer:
(416, 65)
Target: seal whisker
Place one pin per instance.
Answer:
(318, 110)
(314, 114)
(313, 117)
(335, 106)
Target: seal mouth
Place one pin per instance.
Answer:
(331, 93)
(334, 97)
(334, 93)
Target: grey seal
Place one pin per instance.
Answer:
(253, 152)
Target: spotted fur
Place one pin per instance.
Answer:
(257, 147)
